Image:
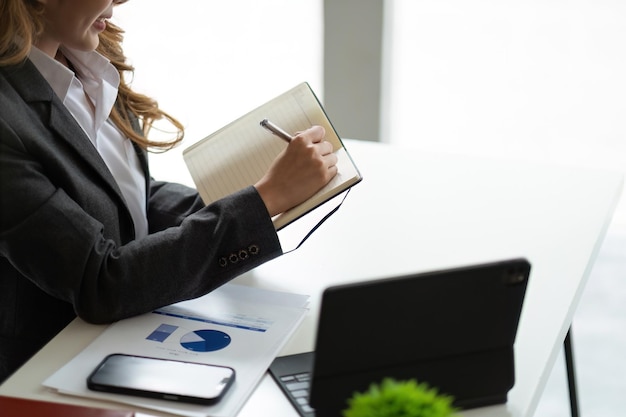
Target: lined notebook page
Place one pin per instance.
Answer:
(239, 154)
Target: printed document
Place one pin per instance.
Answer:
(252, 325)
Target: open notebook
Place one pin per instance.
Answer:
(240, 153)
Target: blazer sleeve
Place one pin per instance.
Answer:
(58, 229)
(169, 204)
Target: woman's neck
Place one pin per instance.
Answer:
(62, 59)
(52, 49)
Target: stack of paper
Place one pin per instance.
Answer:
(257, 322)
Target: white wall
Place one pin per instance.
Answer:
(536, 79)
(209, 62)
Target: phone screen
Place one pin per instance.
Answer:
(161, 378)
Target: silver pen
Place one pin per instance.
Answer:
(276, 130)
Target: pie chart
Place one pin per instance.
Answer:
(205, 340)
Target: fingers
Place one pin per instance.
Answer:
(314, 134)
(305, 166)
(310, 142)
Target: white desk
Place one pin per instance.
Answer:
(418, 212)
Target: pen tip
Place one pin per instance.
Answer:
(263, 122)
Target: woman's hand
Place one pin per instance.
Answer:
(303, 168)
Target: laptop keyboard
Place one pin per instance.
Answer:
(297, 388)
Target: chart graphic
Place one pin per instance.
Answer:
(162, 332)
(205, 340)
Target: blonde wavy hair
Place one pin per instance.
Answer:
(21, 22)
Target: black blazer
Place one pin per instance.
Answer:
(67, 243)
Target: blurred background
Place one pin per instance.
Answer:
(540, 80)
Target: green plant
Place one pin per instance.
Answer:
(400, 399)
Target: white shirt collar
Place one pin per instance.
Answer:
(99, 77)
(58, 76)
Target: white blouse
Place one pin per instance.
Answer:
(89, 95)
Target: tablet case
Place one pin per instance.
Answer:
(454, 329)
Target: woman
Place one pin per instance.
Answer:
(84, 230)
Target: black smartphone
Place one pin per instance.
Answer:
(161, 378)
